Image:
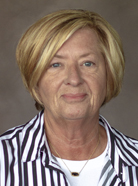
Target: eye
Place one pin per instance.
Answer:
(88, 64)
(55, 65)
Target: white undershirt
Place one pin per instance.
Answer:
(90, 174)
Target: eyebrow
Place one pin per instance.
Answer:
(59, 56)
(81, 56)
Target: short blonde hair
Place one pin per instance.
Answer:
(43, 39)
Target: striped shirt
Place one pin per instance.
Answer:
(26, 160)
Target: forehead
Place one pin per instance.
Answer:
(83, 40)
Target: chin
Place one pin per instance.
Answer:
(74, 116)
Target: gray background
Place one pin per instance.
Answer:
(16, 105)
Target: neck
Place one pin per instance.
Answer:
(74, 139)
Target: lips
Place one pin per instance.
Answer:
(74, 97)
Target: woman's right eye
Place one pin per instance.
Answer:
(54, 65)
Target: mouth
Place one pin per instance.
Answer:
(74, 97)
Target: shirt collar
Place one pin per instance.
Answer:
(34, 145)
(33, 138)
(115, 140)
(118, 161)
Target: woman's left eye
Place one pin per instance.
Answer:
(56, 65)
(88, 64)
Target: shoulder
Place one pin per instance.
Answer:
(116, 135)
(13, 137)
(11, 133)
(15, 131)
(18, 140)
(9, 144)
(126, 147)
(121, 145)
(124, 139)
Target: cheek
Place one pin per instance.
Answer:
(97, 82)
(48, 91)
(101, 87)
(97, 86)
(43, 91)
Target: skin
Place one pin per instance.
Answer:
(72, 90)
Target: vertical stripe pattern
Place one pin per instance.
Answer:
(25, 158)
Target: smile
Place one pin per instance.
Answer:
(74, 97)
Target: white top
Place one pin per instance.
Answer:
(90, 174)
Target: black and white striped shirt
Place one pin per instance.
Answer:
(26, 160)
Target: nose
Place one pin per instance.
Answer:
(73, 76)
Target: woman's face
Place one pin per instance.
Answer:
(74, 85)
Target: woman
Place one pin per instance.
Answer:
(72, 63)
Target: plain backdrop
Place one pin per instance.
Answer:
(17, 106)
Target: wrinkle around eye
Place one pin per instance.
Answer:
(88, 64)
(55, 65)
